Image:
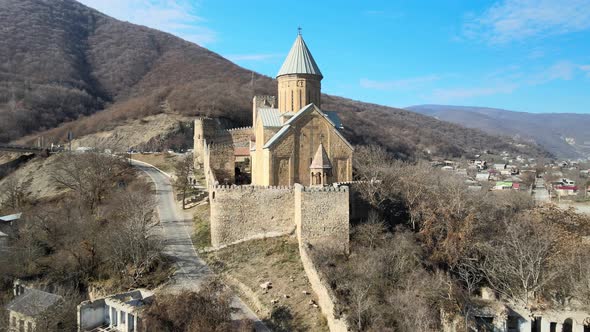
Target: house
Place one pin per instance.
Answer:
(118, 312)
(11, 218)
(563, 190)
(447, 168)
(492, 314)
(499, 167)
(482, 177)
(30, 309)
(567, 182)
(503, 185)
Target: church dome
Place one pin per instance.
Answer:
(299, 60)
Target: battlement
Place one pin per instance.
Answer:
(219, 146)
(324, 189)
(239, 129)
(249, 188)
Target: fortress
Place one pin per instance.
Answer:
(283, 175)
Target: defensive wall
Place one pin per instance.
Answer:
(240, 213)
(318, 216)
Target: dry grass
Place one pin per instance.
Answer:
(163, 161)
(276, 260)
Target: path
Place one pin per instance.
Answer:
(176, 225)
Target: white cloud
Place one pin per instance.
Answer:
(460, 94)
(512, 20)
(178, 17)
(408, 83)
(585, 68)
(563, 70)
(252, 57)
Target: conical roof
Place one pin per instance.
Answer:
(299, 60)
(320, 160)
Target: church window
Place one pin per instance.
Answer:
(292, 100)
(300, 101)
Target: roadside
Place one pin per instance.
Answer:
(176, 225)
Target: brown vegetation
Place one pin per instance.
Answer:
(430, 245)
(208, 309)
(101, 229)
(132, 72)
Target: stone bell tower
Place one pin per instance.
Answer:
(299, 79)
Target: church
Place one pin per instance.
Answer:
(293, 140)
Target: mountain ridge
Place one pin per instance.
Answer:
(563, 134)
(65, 66)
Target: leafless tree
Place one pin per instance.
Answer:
(133, 241)
(184, 172)
(91, 176)
(14, 193)
(518, 263)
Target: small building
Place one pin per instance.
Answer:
(503, 185)
(11, 218)
(499, 167)
(562, 190)
(31, 308)
(482, 177)
(118, 312)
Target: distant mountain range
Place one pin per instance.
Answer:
(565, 135)
(66, 67)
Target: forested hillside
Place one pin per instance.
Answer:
(60, 60)
(563, 134)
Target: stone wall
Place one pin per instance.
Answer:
(322, 290)
(241, 136)
(322, 217)
(239, 213)
(222, 162)
(209, 174)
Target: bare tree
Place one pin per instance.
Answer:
(518, 264)
(90, 175)
(134, 243)
(184, 172)
(14, 193)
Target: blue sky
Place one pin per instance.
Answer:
(522, 55)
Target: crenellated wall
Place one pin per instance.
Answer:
(239, 213)
(322, 217)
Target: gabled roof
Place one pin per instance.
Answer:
(299, 60)
(271, 117)
(11, 217)
(321, 160)
(305, 110)
(33, 302)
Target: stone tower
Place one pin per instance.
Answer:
(299, 79)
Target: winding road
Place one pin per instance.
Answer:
(176, 226)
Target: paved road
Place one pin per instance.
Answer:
(540, 194)
(176, 226)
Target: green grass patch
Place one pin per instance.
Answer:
(202, 228)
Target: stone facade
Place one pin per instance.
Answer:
(239, 213)
(298, 90)
(321, 216)
(285, 138)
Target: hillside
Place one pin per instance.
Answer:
(62, 62)
(563, 134)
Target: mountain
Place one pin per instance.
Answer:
(565, 135)
(67, 67)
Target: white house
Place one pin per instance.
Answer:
(118, 312)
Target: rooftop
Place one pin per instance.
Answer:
(33, 302)
(299, 60)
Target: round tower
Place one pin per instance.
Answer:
(299, 79)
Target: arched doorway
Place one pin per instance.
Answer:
(568, 325)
